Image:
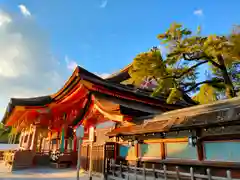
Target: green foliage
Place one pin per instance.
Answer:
(151, 64)
(220, 52)
(174, 95)
(187, 51)
(234, 39)
(1, 126)
(3, 133)
(207, 94)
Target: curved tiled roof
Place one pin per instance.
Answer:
(88, 79)
(217, 113)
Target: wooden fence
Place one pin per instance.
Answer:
(119, 172)
(97, 158)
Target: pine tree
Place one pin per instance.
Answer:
(177, 75)
(219, 52)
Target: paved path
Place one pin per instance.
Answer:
(41, 174)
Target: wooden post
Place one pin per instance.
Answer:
(75, 143)
(165, 171)
(229, 176)
(104, 162)
(106, 168)
(113, 168)
(136, 151)
(62, 139)
(57, 140)
(50, 141)
(66, 138)
(90, 161)
(163, 150)
(66, 145)
(199, 146)
(154, 173)
(191, 173)
(34, 139)
(121, 175)
(79, 140)
(14, 139)
(28, 141)
(20, 140)
(9, 139)
(177, 173)
(91, 139)
(209, 174)
(79, 135)
(43, 144)
(144, 171)
(128, 173)
(135, 171)
(40, 146)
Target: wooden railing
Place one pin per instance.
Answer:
(18, 159)
(1, 155)
(119, 172)
(8, 156)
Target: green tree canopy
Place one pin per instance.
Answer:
(177, 74)
(207, 94)
(219, 52)
(151, 64)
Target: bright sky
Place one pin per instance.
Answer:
(41, 41)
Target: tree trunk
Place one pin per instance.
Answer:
(230, 92)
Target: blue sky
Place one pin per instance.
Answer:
(103, 36)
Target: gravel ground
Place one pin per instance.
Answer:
(42, 174)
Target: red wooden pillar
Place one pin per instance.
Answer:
(136, 148)
(66, 145)
(58, 140)
(65, 137)
(50, 140)
(75, 144)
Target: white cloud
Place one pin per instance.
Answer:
(71, 64)
(198, 12)
(104, 4)
(103, 75)
(27, 67)
(24, 10)
(4, 18)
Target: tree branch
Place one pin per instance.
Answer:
(187, 98)
(198, 56)
(203, 82)
(187, 71)
(214, 63)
